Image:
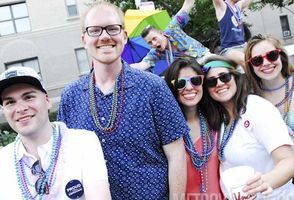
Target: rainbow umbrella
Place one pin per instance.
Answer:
(136, 48)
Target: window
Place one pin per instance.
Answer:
(31, 62)
(82, 59)
(285, 26)
(71, 8)
(14, 18)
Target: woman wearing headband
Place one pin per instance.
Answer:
(251, 132)
(184, 78)
(270, 71)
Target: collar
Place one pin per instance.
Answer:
(43, 150)
(128, 77)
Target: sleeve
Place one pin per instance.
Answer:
(94, 166)
(168, 117)
(151, 57)
(181, 20)
(269, 127)
(61, 114)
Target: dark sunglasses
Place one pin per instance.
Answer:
(224, 77)
(271, 56)
(181, 83)
(41, 184)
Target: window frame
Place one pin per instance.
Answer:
(80, 62)
(14, 20)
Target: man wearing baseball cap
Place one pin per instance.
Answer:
(47, 160)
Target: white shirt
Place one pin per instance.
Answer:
(80, 158)
(260, 130)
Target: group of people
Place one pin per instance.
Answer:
(123, 133)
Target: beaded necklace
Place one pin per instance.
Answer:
(111, 125)
(276, 88)
(200, 160)
(21, 175)
(286, 101)
(222, 141)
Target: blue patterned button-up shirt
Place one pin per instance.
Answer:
(151, 118)
(181, 43)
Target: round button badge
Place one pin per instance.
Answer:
(74, 189)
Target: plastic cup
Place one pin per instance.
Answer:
(234, 179)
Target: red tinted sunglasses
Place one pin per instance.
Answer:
(271, 56)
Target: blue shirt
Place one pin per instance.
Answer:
(151, 118)
(231, 28)
(181, 43)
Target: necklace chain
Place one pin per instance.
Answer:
(222, 141)
(288, 94)
(22, 177)
(200, 160)
(276, 88)
(111, 125)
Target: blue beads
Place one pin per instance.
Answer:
(21, 175)
(222, 141)
(200, 160)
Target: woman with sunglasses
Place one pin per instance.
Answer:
(184, 78)
(251, 132)
(270, 72)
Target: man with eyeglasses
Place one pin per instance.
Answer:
(47, 160)
(171, 43)
(132, 112)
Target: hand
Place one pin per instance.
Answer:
(256, 184)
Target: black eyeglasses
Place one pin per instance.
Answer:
(96, 31)
(181, 83)
(224, 77)
(271, 56)
(41, 184)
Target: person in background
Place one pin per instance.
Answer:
(47, 160)
(173, 42)
(132, 112)
(270, 72)
(251, 131)
(230, 20)
(184, 78)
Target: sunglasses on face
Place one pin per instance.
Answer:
(271, 56)
(181, 83)
(224, 77)
(41, 184)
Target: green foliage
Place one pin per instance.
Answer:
(52, 116)
(7, 134)
(257, 5)
(6, 137)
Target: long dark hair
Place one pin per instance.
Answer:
(216, 112)
(172, 73)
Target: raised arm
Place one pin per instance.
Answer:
(244, 4)
(220, 8)
(187, 6)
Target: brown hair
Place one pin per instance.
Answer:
(216, 112)
(99, 4)
(287, 68)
